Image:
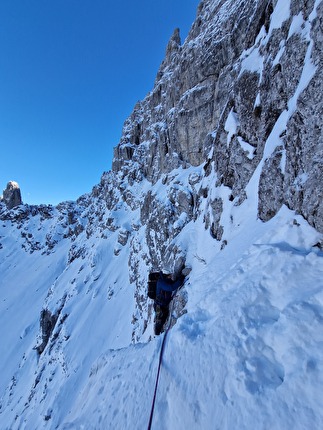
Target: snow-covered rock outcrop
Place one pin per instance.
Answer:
(11, 195)
(219, 170)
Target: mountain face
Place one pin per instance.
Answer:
(248, 76)
(218, 169)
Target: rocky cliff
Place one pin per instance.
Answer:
(248, 76)
(240, 98)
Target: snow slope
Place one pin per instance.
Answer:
(248, 353)
(248, 350)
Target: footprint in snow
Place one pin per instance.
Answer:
(258, 315)
(259, 367)
(262, 373)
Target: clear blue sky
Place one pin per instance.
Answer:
(71, 72)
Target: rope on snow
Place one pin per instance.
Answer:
(160, 363)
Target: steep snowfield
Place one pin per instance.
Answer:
(248, 352)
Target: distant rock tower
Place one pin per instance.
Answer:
(12, 195)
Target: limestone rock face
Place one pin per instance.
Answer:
(248, 78)
(12, 195)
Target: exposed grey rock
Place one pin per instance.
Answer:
(173, 46)
(271, 198)
(216, 229)
(203, 83)
(123, 236)
(47, 324)
(182, 199)
(12, 195)
(174, 260)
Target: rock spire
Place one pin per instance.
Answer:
(12, 195)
